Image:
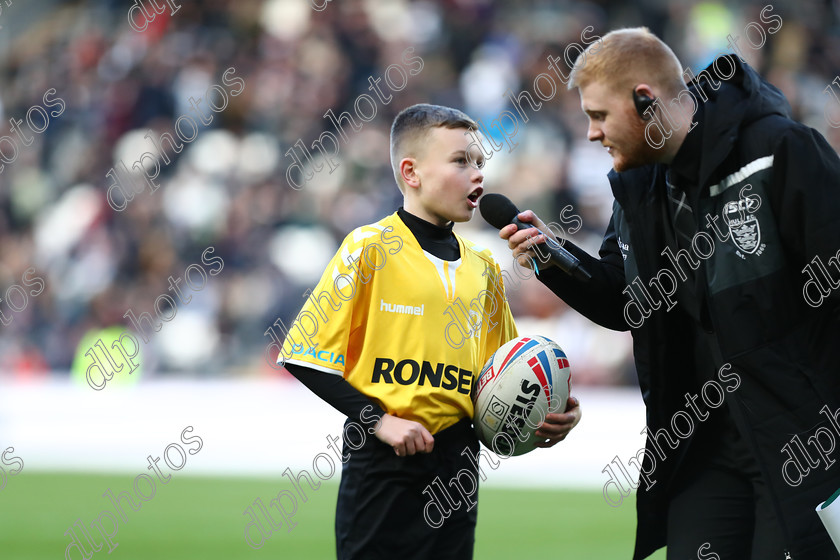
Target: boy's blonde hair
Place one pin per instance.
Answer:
(627, 57)
(413, 123)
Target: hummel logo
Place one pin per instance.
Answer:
(404, 309)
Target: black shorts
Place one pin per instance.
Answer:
(383, 500)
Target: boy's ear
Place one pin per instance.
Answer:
(409, 172)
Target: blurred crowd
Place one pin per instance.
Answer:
(227, 189)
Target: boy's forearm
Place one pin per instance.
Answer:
(336, 391)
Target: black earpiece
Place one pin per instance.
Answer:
(642, 103)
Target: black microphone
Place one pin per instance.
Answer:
(498, 211)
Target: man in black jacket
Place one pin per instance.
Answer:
(722, 257)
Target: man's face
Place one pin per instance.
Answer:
(614, 123)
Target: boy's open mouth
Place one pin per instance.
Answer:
(473, 197)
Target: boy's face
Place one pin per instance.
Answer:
(614, 123)
(448, 186)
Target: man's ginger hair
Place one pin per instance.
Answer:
(625, 58)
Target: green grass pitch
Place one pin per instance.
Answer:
(201, 518)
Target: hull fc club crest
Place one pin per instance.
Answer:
(739, 216)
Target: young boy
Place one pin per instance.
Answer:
(371, 342)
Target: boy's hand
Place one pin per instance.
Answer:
(405, 436)
(521, 241)
(557, 426)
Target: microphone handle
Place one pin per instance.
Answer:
(558, 256)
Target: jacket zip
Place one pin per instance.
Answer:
(707, 305)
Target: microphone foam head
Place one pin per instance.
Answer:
(497, 210)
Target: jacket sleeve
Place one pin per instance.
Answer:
(601, 299)
(806, 192)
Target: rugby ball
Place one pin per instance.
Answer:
(525, 379)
